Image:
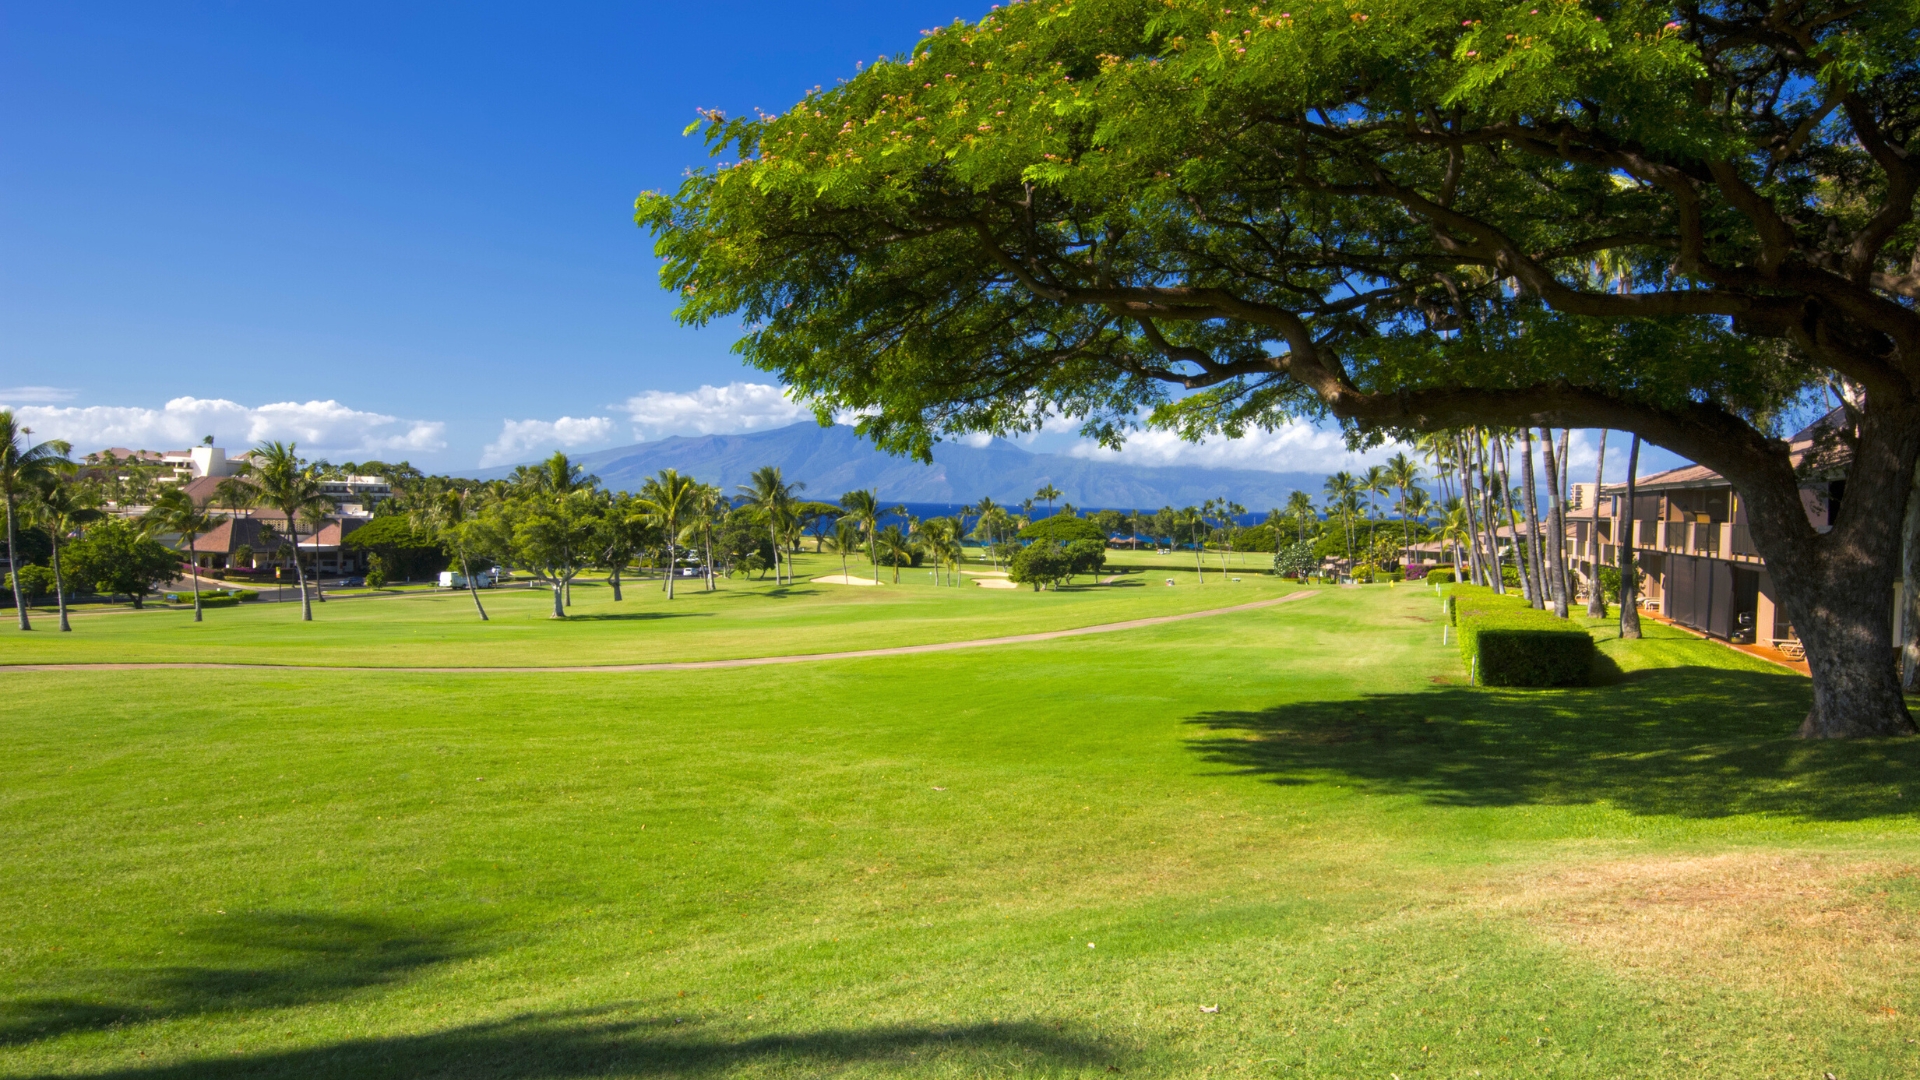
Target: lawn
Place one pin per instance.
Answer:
(744, 617)
(1284, 842)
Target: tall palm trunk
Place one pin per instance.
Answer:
(1533, 514)
(299, 570)
(1557, 564)
(773, 536)
(673, 568)
(1596, 596)
(60, 585)
(1629, 613)
(13, 568)
(872, 551)
(193, 573)
(472, 588)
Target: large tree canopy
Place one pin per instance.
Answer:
(1678, 220)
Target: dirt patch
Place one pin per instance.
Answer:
(1780, 922)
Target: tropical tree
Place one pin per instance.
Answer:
(1404, 474)
(1343, 493)
(896, 545)
(1300, 508)
(864, 508)
(175, 511)
(284, 483)
(846, 537)
(672, 500)
(61, 508)
(24, 466)
(1060, 209)
(772, 499)
(1049, 493)
(451, 515)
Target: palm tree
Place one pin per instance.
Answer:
(672, 500)
(1300, 508)
(1342, 495)
(771, 498)
(285, 484)
(448, 514)
(1049, 493)
(24, 466)
(846, 537)
(174, 511)
(864, 508)
(1193, 520)
(1404, 473)
(62, 507)
(1377, 481)
(897, 545)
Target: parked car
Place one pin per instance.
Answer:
(453, 579)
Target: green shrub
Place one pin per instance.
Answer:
(1440, 575)
(36, 584)
(243, 594)
(1039, 565)
(1507, 643)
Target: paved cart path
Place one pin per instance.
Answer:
(694, 665)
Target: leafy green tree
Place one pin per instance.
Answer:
(117, 557)
(1062, 529)
(1295, 559)
(1085, 557)
(846, 537)
(1040, 565)
(1673, 221)
(549, 536)
(449, 516)
(409, 545)
(23, 467)
(32, 583)
(175, 511)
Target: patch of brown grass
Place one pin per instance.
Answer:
(1783, 923)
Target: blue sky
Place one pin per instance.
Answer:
(391, 230)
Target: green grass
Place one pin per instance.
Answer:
(744, 617)
(897, 866)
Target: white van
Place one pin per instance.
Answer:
(453, 579)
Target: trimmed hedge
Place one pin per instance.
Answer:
(1439, 575)
(1507, 643)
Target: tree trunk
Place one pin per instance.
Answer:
(13, 568)
(1533, 514)
(673, 568)
(60, 586)
(472, 588)
(559, 597)
(613, 578)
(1504, 504)
(1473, 523)
(1596, 596)
(300, 572)
(193, 571)
(1837, 587)
(1629, 588)
(1556, 507)
(1910, 591)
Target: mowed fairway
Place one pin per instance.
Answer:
(742, 618)
(1282, 842)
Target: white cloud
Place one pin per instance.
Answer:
(523, 439)
(712, 410)
(321, 428)
(1295, 447)
(37, 395)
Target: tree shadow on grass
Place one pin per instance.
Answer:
(1696, 742)
(254, 962)
(594, 1043)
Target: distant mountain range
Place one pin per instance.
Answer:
(831, 460)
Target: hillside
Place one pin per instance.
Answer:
(833, 459)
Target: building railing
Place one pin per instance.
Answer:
(1714, 539)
